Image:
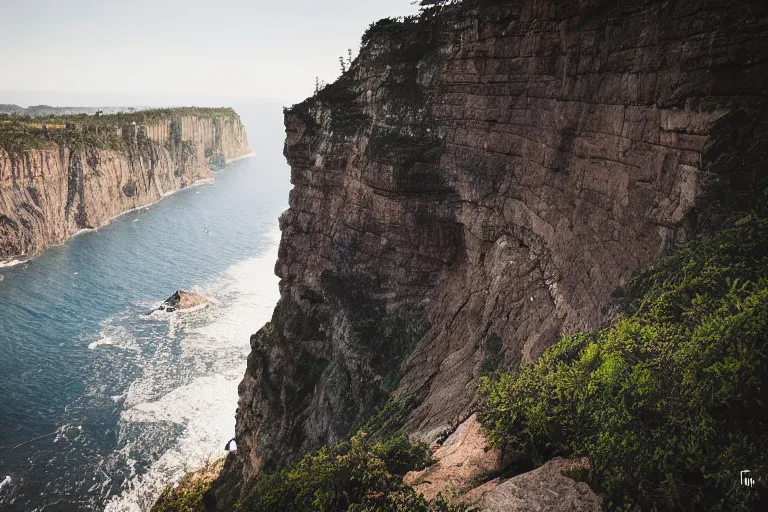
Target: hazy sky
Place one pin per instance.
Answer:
(123, 50)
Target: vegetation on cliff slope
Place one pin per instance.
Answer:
(361, 475)
(187, 495)
(21, 133)
(669, 404)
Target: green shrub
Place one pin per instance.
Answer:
(388, 419)
(187, 494)
(670, 403)
(494, 355)
(357, 475)
(184, 499)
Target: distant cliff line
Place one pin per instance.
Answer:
(62, 174)
(47, 110)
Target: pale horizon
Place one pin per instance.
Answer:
(173, 52)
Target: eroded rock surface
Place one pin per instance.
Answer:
(462, 461)
(477, 185)
(545, 489)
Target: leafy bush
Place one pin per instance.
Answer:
(357, 475)
(669, 404)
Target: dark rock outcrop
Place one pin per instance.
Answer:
(182, 300)
(477, 184)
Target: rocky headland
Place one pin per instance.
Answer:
(476, 186)
(485, 180)
(62, 174)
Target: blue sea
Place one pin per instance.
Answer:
(102, 403)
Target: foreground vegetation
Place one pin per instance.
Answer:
(669, 404)
(187, 494)
(360, 475)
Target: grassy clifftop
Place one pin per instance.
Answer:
(20, 133)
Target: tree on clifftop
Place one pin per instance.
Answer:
(426, 4)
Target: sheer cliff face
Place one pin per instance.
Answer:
(477, 185)
(47, 195)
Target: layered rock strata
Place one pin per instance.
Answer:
(477, 185)
(48, 194)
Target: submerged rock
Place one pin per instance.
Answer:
(182, 300)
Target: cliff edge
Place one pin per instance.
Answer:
(477, 185)
(61, 174)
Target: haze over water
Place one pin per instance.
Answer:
(100, 403)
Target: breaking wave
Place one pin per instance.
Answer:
(178, 414)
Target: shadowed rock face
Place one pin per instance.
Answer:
(48, 194)
(497, 170)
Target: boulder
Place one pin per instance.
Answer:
(182, 300)
(546, 488)
(462, 461)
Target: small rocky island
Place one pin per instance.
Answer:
(182, 300)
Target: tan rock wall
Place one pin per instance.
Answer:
(47, 195)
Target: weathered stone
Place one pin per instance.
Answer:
(182, 300)
(462, 461)
(545, 488)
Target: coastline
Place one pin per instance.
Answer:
(248, 155)
(205, 181)
(11, 263)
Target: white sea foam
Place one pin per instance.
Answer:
(11, 263)
(249, 155)
(216, 341)
(102, 341)
(5, 482)
(83, 231)
(194, 309)
(112, 333)
(198, 183)
(67, 431)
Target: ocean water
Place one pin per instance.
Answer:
(102, 403)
